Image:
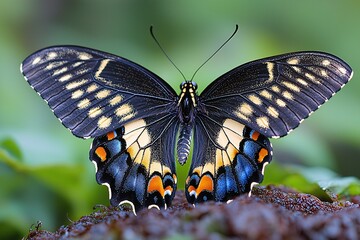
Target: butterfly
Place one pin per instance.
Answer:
(140, 125)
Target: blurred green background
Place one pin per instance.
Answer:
(45, 173)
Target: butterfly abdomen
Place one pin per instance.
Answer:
(184, 142)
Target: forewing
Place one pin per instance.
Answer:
(136, 162)
(228, 159)
(273, 95)
(93, 92)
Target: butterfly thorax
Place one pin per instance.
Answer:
(187, 101)
(187, 104)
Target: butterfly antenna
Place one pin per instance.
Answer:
(167, 56)
(232, 35)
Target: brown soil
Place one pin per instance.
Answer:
(271, 213)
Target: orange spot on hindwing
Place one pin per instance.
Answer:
(262, 154)
(206, 184)
(191, 188)
(156, 184)
(110, 135)
(101, 153)
(255, 135)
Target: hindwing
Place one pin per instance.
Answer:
(273, 95)
(93, 92)
(137, 162)
(228, 158)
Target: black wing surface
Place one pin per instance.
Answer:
(137, 163)
(228, 159)
(274, 95)
(93, 92)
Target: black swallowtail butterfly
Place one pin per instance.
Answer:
(135, 118)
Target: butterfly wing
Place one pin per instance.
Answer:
(273, 95)
(137, 162)
(93, 92)
(130, 111)
(238, 111)
(228, 158)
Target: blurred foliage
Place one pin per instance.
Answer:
(47, 176)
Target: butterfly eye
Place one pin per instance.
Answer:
(195, 86)
(182, 85)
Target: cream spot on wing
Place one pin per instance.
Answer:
(288, 95)
(245, 109)
(52, 55)
(291, 86)
(77, 64)
(275, 89)
(302, 81)
(59, 71)
(93, 112)
(146, 158)
(155, 167)
(323, 73)
(280, 103)
(270, 68)
(293, 61)
(128, 116)
(65, 78)
(83, 103)
(138, 155)
(325, 62)
(310, 76)
(273, 112)
(36, 60)
(222, 139)
(132, 132)
(266, 94)
(115, 100)
(133, 125)
(219, 159)
(297, 69)
(233, 137)
(76, 84)
(77, 94)
(242, 116)
(92, 88)
(135, 152)
(144, 138)
(231, 124)
(255, 99)
(54, 65)
(232, 129)
(208, 167)
(84, 56)
(101, 67)
(104, 122)
(132, 136)
(263, 122)
(103, 94)
(123, 110)
(342, 70)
